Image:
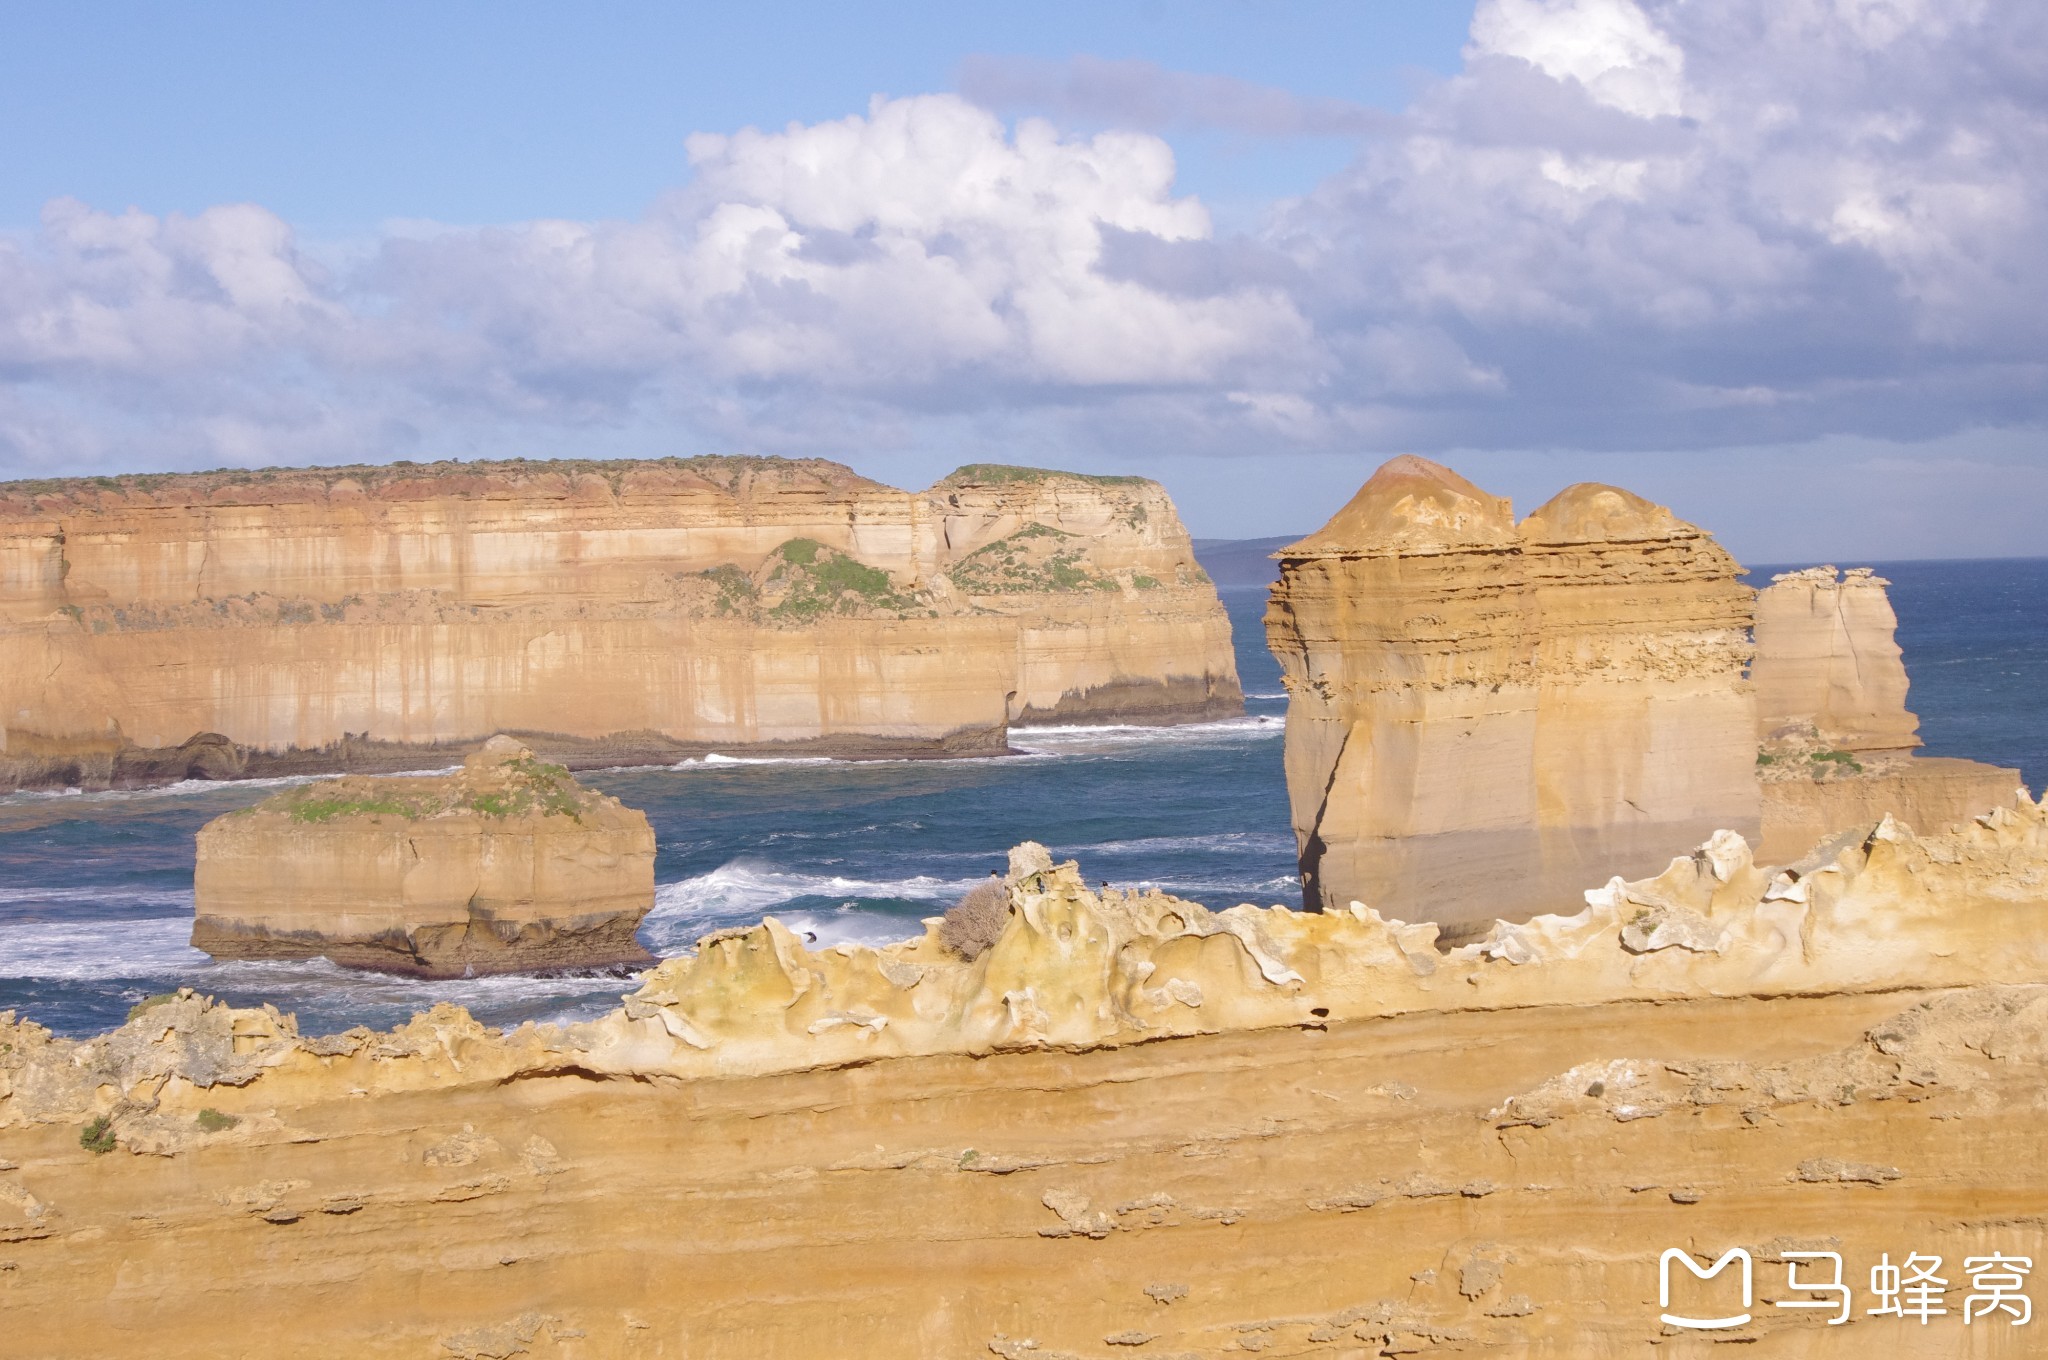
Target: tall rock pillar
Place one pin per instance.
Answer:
(1827, 660)
(1485, 719)
(1836, 736)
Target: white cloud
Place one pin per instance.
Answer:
(1622, 225)
(1607, 46)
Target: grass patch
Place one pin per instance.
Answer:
(98, 1136)
(736, 591)
(998, 474)
(1037, 559)
(149, 1003)
(540, 787)
(327, 809)
(1841, 759)
(819, 580)
(213, 1121)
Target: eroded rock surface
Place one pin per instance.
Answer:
(1484, 715)
(380, 618)
(1076, 968)
(1344, 1149)
(508, 865)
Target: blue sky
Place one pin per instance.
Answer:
(340, 117)
(1774, 261)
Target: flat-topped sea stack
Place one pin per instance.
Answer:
(371, 619)
(1836, 741)
(1483, 716)
(508, 865)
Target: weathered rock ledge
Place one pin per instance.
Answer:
(506, 866)
(1073, 968)
(1344, 1148)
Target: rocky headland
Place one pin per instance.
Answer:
(508, 865)
(372, 619)
(1350, 1142)
(1485, 714)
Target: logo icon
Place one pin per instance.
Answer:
(1684, 1258)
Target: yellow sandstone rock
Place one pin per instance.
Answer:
(237, 624)
(1871, 910)
(1483, 715)
(1836, 736)
(1348, 1142)
(1827, 662)
(507, 866)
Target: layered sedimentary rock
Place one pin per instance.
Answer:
(1835, 736)
(1351, 1143)
(1484, 715)
(1828, 663)
(227, 624)
(506, 866)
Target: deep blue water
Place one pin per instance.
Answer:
(96, 889)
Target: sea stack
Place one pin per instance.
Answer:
(1486, 717)
(1836, 740)
(507, 865)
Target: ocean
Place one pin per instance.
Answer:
(96, 888)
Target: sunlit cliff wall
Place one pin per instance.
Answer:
(1484, 716)
(346, 618)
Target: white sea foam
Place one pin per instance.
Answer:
(743, 886)
(1082, 737)
(317, 982)
(1224, 842)
(92, 950)
(180, 898)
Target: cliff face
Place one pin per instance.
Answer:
(222, 624)
(1343, 1147)
(1827, 661)
(507, 866)
(1484, 715)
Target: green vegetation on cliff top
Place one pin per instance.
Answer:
(522, 786)
(985, 474)
(1037, 559)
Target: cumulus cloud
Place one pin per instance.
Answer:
(1623, 224)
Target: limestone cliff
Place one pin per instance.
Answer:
(1828, 663)
(506, 866)
(377, 618)
(1342, 1148)
(1835, 735)
(1483, 715)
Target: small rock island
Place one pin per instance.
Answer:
(507, 865)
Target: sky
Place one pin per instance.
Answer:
(1775, 262)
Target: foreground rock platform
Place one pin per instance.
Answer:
(508, 865)
(1338, 1143)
